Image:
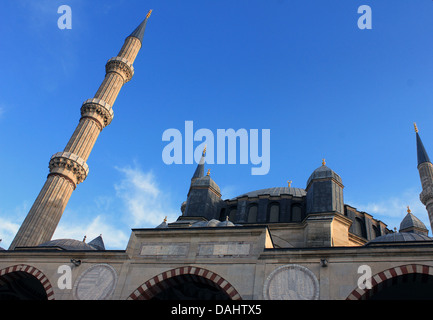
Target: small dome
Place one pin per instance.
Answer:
(226, 223)
(400, 237)
(163, 224)
(67, 244)
(324, 172)
(97, 243)
(213, 223)
(200, 224)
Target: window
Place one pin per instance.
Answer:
(296, 213)
(223, 214)
(359, 228)
(274, 212)
(232, 214)
(252, 213)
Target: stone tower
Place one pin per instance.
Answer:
(324, 191)
(204, 196)
(425, 169)
(69, 168)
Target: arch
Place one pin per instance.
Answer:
(222, 214)
(386, 278)
(21, 271)
(274, 212)
(232, 214)
(358, 228)
(253, 211)
(296, 211)
(164, 280)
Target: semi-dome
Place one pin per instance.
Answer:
(324, 172)
(274, 192)
(400, 237)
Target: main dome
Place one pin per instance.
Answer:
(274, 192)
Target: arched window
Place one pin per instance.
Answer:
(252, 213)
(376, 231)
(223, 214)
(274, 212)
(232, 214)
(358, 228)
(296, 213)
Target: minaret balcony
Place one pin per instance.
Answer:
(121, 66)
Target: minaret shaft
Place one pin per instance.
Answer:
(69, 168)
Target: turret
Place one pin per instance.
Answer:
(324, 191)
(204, 196)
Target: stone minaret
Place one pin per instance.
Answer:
(425, 169)
(69, 168)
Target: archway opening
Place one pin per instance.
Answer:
(186, 283)
(412, 286)
(21, 286)
(188, 288)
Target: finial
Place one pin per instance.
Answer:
(84, 239)
(290, 183)
(408, 209)
(227, 218)
(416, 128)
(165, 219)
(208, 172)
(204, 151)
(148, 14)
(323, 162)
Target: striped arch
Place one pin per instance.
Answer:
(180, 275)
(384, 278)
(20, 271)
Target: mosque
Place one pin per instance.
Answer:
(279, 243)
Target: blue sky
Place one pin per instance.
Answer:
(303, 69)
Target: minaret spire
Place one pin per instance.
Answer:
(68, 168)
(139, 31)
(199, 172)
(421, 153)
(425, 169)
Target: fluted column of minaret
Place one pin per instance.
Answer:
(69, 168)
(425, 169)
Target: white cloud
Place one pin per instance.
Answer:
(8, 229)
(113, 237)
(392, 210)
(145, 203)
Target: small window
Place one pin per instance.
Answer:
(252, 213)
(274, 213)
(223, 214)
(296, 213)
(232, 214)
